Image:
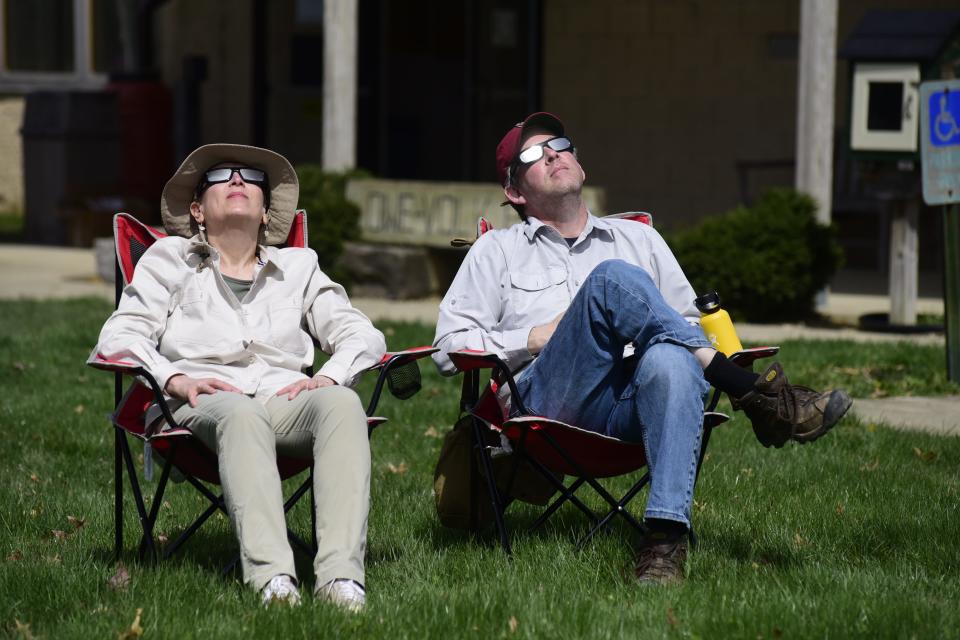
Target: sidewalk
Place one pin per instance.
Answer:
(54, 272)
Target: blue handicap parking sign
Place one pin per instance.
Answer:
(944, 118)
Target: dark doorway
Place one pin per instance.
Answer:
(439, 83)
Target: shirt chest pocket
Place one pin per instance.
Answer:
(538, 291)
(194, 329)
(286, 320)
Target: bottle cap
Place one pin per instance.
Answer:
(708, 302)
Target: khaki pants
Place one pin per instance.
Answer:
(247, 435)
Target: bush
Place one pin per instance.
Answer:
(331, 218)
(767, 262)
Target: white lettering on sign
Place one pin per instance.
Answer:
(433, 213)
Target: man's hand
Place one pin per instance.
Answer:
(540, 334)
(293, 390)
(184, 387)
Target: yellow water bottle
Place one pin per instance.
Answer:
(717, 325)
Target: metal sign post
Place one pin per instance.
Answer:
(940, 159)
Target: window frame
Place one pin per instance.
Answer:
(83, 75)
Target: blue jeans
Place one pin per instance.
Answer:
(656, 397)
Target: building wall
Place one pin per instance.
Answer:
(665, 98)
(221, 33)
(11, 150)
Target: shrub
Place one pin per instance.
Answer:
(767, 262)
(331, 218)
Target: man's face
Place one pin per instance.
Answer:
(555, 174)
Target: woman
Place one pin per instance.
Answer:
(220, 318)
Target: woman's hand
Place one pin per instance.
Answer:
(184, 387)
(292, 390)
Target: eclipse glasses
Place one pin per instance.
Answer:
(534, 152)
(225, 174)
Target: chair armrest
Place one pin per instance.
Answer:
(471, 359)
(467, 360)
(124, 367)
(746, 357)
(400, 358)
(400, 371)
(117, 366)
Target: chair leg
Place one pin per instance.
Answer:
(145, 523)
(157, 501)
(495, 498)
(617, 507)
(313, 513)
(170, 550)
(118, 436)
(565, 494)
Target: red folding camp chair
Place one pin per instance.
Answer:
(557, 449)
(176, 445)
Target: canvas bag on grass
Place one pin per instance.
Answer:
(460, 487)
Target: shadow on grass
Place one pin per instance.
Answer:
(742, 549)
(568, 523)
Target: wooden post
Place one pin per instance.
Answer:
(818, 53)
(339, 84)
(903, 263)
(951, 288)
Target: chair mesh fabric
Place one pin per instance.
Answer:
(137, 249)
(404, 381)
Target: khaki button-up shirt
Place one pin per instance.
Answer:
(517, 278)
(179, 316)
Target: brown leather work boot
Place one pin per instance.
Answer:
(781, 411)
(661, 561)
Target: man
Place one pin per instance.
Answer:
(564, 291)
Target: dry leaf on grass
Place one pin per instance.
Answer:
(23, 629)
(926, 456)
(871, 466)
(19, 366)
(119, 580)
(135, 630)
(672, 618)
(840, 509)
(15, 556)
(59, 535)
(513, 624)
(398, 468)
(78, 523)
(34, 477)
(432, 433)
(799, 540)
(79, 409)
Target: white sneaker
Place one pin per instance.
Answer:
(344, 593)
(281, 590)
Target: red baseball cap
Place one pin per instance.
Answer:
(510, 145)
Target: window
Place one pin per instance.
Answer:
(59, 43)
(39, 35)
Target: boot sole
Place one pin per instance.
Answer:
(838, 405)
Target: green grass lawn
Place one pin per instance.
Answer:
(853, 536)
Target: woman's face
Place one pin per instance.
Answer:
(231, 204)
